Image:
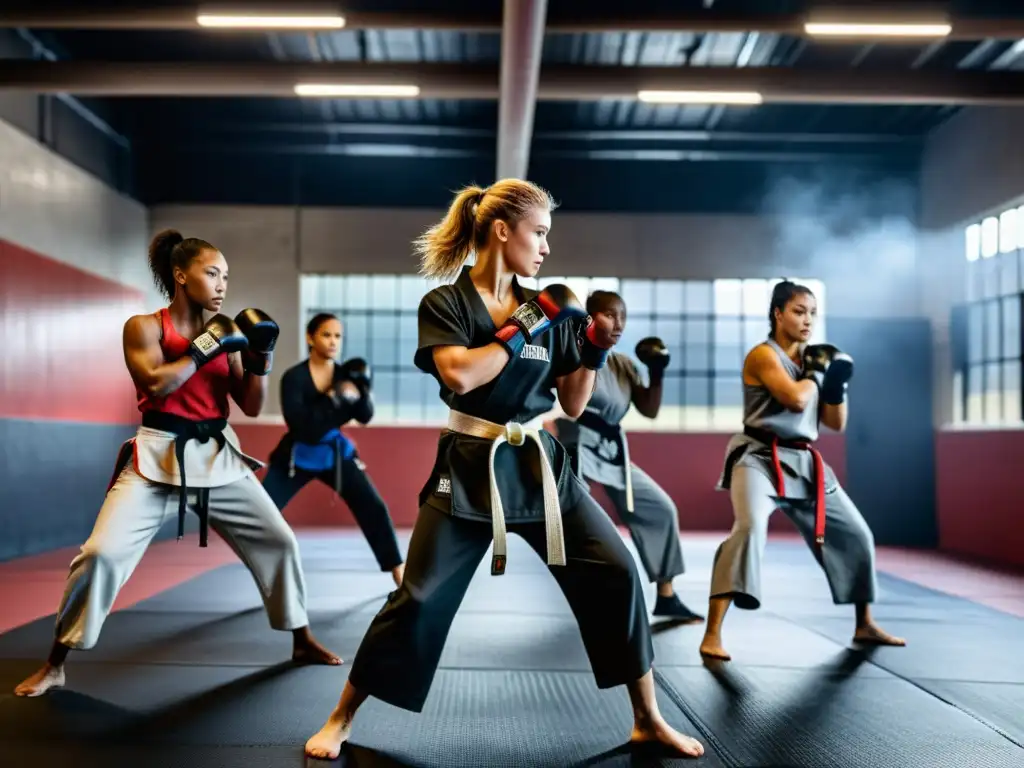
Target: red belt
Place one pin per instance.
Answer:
(819, 481)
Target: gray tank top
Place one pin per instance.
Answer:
(762, 411)
(604, 455)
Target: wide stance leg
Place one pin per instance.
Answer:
(130, 517)
(398, 658)
(653, 525)
(245, 516)
(848, 555)
(371, 514)
(605, 592)
(736, 573)
(848, 560)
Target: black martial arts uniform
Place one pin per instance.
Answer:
(399, 655)
(314, 435)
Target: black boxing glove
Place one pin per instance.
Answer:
(831, 369)
(219, 336)
(262, 333)
(653, 353)
(358, 372)
(548, 309)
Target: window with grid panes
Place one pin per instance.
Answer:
(708, 326)
(985, 331)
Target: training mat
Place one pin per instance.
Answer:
(807, 719)
(1001, 705)
(472, 718)
(197, 674)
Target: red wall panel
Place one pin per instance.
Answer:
(978, 495)
(399, 459)
(60, 330)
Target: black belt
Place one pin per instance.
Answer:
(185, 430)
(606, 431)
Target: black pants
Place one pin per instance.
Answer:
(358, 492)
(399, 654)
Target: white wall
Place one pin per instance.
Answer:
(51, 206)
(868, 266)
(972, 166)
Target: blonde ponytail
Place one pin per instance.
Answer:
(446, 246)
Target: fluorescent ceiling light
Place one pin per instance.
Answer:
(699, 97)
(352, 90)
(877, 30)
(270, 22)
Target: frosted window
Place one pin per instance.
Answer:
(1011, 392)
(728, 297)
(668, 297)
(699, 299)
(989, 237)
(1011, 327)
(757, 295)
(972, 242)
(1008, 231)
(638, 295)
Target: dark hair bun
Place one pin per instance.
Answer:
(165, 241)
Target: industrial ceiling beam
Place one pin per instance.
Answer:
(99, 15)
(463, 82)
(522, 44)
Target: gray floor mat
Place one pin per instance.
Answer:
(805, 719)
(198, 672)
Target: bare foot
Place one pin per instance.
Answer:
(711, 647)
(872, 634)
(41, 681)
(309, 651)
(663, 733)
(326, 743)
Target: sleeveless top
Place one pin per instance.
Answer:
(762, 411)
(596, 439)
(204, 395)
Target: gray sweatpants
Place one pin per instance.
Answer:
(653, 525)
(132, 513)
(847, 556)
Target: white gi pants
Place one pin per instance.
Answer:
(135, 508)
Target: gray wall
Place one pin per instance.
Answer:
(868, 262)
(972, 166)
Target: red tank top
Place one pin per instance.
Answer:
(204, 395)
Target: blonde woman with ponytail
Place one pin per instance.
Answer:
(504, 356)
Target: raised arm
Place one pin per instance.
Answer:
(764, 368)
(653, 353)
(151, 373)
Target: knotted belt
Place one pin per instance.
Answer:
(514, 434)
(185, 430)
(771, 439)
(595, 423)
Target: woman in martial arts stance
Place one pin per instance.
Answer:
(317, 398)
(185, 453)
(599, 452)
(789, 389)
(498, 351)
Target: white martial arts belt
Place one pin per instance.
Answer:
(515, 435)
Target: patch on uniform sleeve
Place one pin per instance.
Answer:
(444, 486)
